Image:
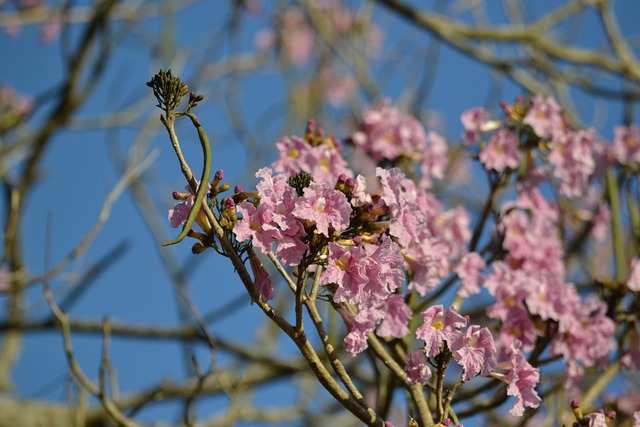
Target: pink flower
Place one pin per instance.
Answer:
(180, 211)
(544, 116)
(530, 235)
(434, 159)
(626, 144)
(469, 270)
(573, 156)
(522, 379)
(475, 351)
(323, 162)
(298, 36)
(325, 207)
(384, 270)
(439, 326)
(417, 368)
(473, 120)
(396, 318)
(595, 419)
(387, 133)
(5, 278)
(250, 226)
(261, 278)
(362, 324)
(452, 230)
(601, 221)
(587, 334)
(636, 419)
(501, 152)
(272, 222)
(633, 282)
(345, 267)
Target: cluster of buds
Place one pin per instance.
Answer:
(168, 90)
(224, 209)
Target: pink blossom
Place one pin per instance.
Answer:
(475, 351)
(298, 36)
(345, 267)
(261, 278)
(272, 222)
(626, 144)
(428, 264)
(587, 334)
(473, 120)
(51, 28)
(359, 195)
(601, 221)
(501, 152)
(417, 368)
(396, 318)
(340, 86)
(530, 235)
(13, 103)
(522, 379)
(469, 270)
(250, 226)
(362, 324)
(323, 162)
(439, 326)
(384, 270)
(434, 159)
(397, 189)
(180, 211)
(5, 278)
(595, 419)
(636, 419)
(325, 207)
(573, 156)
(544, 116)
(452, 229)
(633, 282)
(387, 133)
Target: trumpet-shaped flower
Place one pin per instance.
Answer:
(434, 159)
(417, 368)
(325, 207)
(469, 270)
(396, 318)
(323, 162)
(473, 121)
(544, 116)
(475, 351)
(439, 326)
(345, 267)
(521, 378)
(501, 152)
(387, 133)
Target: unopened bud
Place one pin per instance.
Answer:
(311, 127)
(198, 248)
(229, 203)
(575, 405)
(217, 178)
(224, 187)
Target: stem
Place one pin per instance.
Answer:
(616, 226)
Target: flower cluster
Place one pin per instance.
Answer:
(383, 250)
